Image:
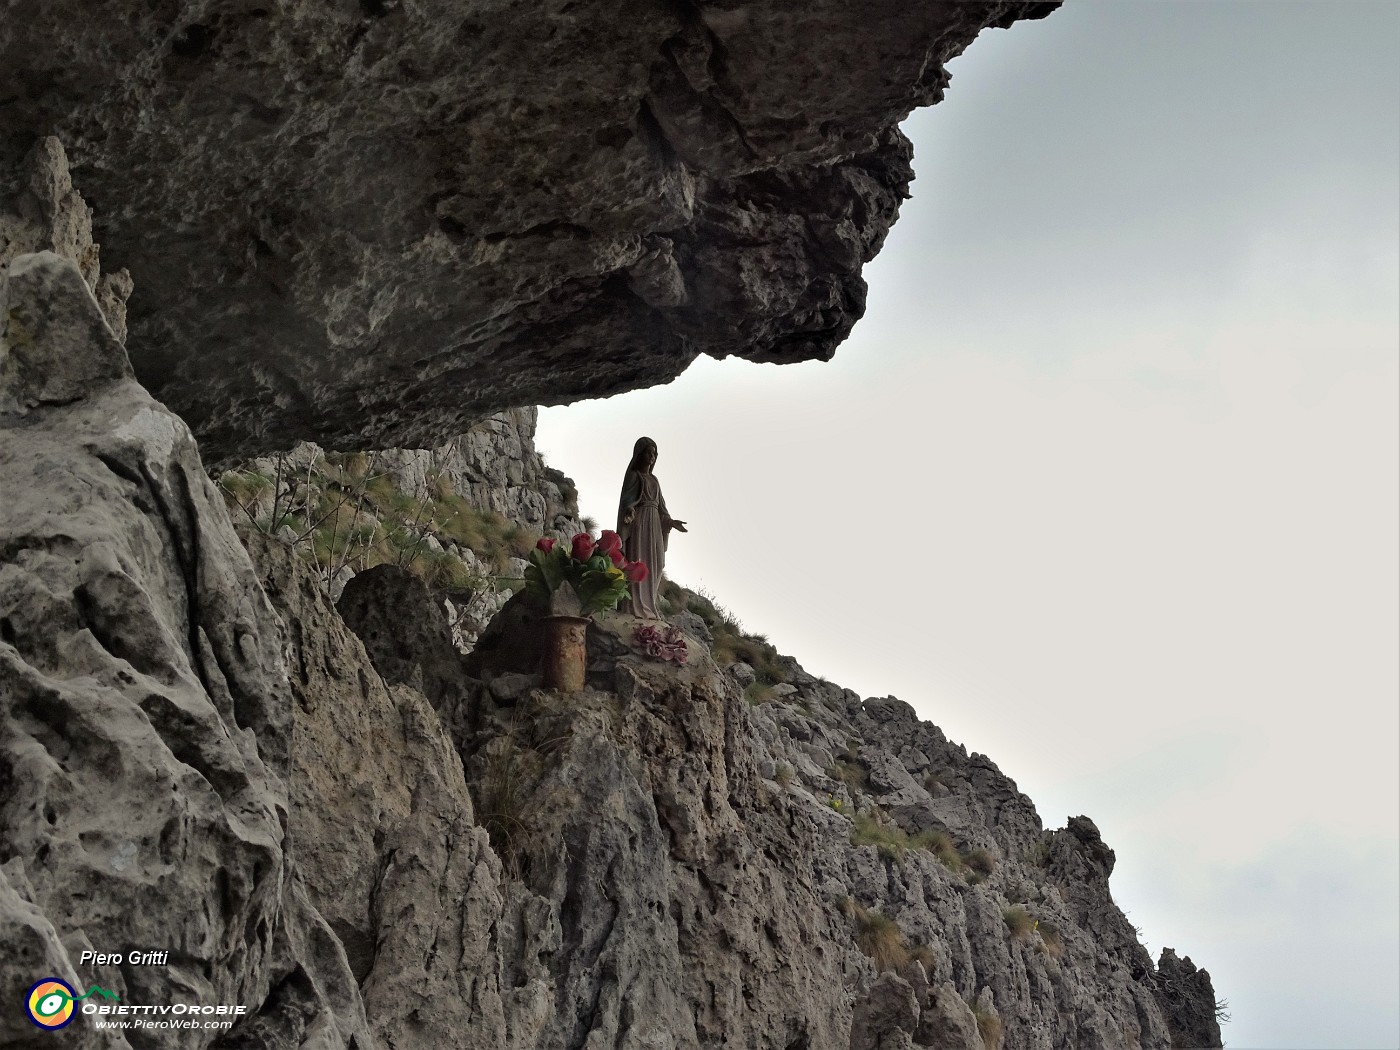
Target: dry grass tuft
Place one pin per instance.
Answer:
(980, 861)
(1051, 940)
(890, 840)
(850, 774)
(879, 938)
(988, 1026)
(1018, 921)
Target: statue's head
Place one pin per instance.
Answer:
(643, 454)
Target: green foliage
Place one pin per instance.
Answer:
(758, 692)
(783, 775)
(345, 511)
(941, 846)
(247, 486)
(501, 798)
(598, 583)
(890, 840)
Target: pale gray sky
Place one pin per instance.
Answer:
(1107, 481)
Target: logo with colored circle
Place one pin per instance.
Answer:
(51, 1003)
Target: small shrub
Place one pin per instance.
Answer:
(782, 776)
(502, 803)
(246, 486)
(932, 783)
(1018, 921)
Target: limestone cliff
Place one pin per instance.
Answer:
(372, 222)
(369, 223)
(379, 843)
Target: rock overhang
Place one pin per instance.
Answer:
(372, 222)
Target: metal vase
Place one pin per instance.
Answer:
(565, 652)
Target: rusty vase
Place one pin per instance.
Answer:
(565, 652)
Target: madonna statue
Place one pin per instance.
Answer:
(644, 526)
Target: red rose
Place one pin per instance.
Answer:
(583, 547)
(609, 541)
(618, 558)
(546, 544)
(636, 571)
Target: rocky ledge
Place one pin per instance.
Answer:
(370, 223)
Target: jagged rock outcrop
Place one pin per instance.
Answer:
(145, 715)
(659, 817)
(327, 814)
(494, 465)
(653, 862)
(1188, 999)
(47, 214)
(371, 223)
(462, 515)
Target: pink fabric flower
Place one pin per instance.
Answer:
(636, 571)
(546, 544)
(618, 558)
(609, 541)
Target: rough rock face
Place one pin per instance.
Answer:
(367, 841)
(494, 464)
(371, 222)
(382, 830)
(48, 215)
(145, 721)
(651, 864)
(696, 875)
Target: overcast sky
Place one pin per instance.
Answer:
(1105, 483)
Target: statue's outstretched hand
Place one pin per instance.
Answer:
(679, 526)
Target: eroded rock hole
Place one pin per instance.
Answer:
(192, 41)
(456, 232)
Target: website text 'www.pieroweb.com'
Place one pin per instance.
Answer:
(55, 1002)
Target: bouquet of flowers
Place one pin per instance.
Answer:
(586, 577)
(661, 645)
